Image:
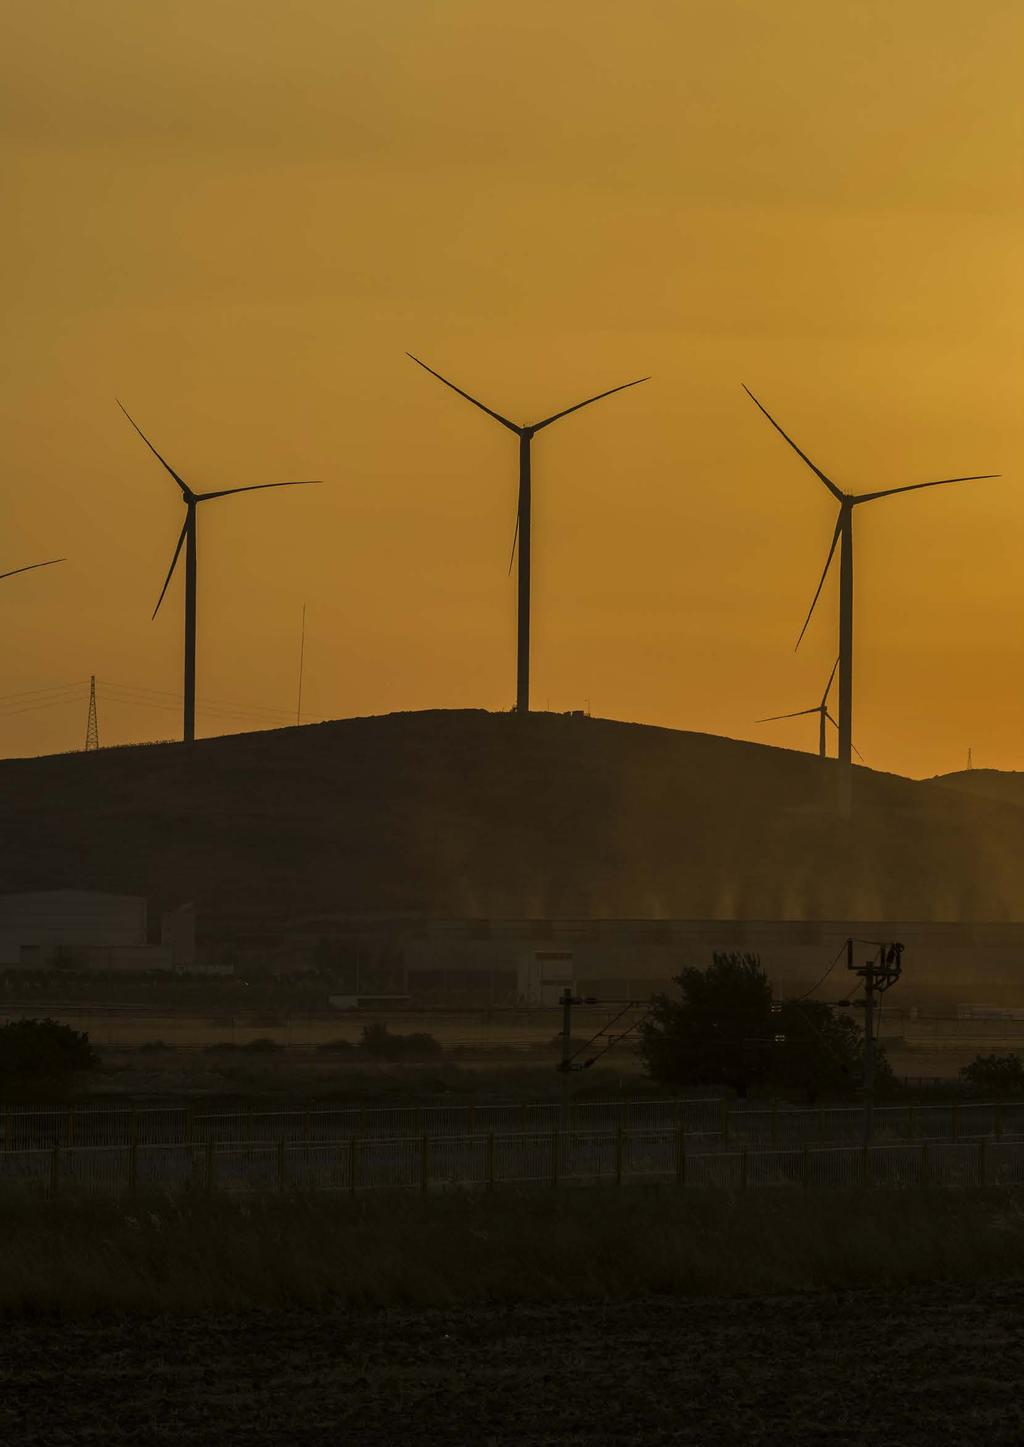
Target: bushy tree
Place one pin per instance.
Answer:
(379, 1043)
(726, 1030)
(37, 1056)
(995, 1075)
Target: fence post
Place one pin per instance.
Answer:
(982, 1154)
(69, 1128)
(806, 1168)
(280, 1165)
(956, 1121)
(8, 1139)
(209, 1167)
(523, 1119)
(490, 1160)
(307, 1125)
(915, 1122)
(133, 1167)
(248, 1124)
(998, 1123)
(618, 1156)
(424, 1161)
(743, 1169)
(472, 1118)
(353, 1147)
(133, 1126)
(821, 1125)
(189, 1124)
(924, 1163)
(866, 1165)
(681, 1154)
(725, 1122)
(555, 1152)
(55, 1170)
(775, 1123)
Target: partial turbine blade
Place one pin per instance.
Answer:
(576, 407)
(183, 485)
(29, 566)
(255, 487)
(816, 470)
(776, 716)
(821, 581)
(913, 486)
(828, 686)
(853, 746)
(515, 539)
(512, 427)
(170, 570)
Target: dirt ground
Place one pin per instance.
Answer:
(936, 1366)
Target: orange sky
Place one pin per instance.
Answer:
(238, 217)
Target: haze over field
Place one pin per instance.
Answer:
(239, 218)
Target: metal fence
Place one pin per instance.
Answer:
(713, 1124)
(535, 1158)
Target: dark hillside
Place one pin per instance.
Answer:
(1006, 786)
(470, 813)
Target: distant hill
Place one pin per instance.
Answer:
(474, 814)
(1006, 786)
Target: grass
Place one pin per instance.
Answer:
(193, 1254)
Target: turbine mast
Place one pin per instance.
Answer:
(189, 721)
(523, 639)
(845, 748)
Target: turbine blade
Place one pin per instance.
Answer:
(170, 570)
(776, 716)
(515, 539)
(183, 485)
(29, 566)
(255, 487)
(914, 486)
(816, 470)
(828, 686)
(576, 407)
(490, 411)
(821, 581)
(853, 746)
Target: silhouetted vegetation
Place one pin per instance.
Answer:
(995, 1075)
(726, 1030)
(380, 1044)
(38, 1057)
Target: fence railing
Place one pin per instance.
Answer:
(488, 1160)
(719, 1124)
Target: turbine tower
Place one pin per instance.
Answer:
(822, 709)
(525, 434)
(188, 537)
(843, 535)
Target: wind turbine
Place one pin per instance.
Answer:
(525, 434)
(29, 566)
(188, 537)
(843, 535)
(821, 709)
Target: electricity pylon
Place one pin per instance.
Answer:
(92, 728)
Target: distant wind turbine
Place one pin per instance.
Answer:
(525, 434)
(188, 537)
(29, 566)
(844, 535)
(821, 709)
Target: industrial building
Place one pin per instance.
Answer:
(518, 961)
(80, 929)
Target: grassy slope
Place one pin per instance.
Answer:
(470, 814)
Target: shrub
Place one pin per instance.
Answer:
(261, 1045)
(338, 1047)
(995, 1074)
(379, 1043)
(36, 1050)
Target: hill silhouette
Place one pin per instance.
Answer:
(1004, 785)
(470, 813)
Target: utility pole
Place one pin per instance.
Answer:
(970, 758)
(92, 729)
(878, 974)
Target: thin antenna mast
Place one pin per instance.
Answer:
(302, 653)
(970, 758)
(92, 728)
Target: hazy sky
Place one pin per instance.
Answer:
(238, 217)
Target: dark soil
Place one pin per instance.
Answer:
(936, 1365)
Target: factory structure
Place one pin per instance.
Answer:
(84, 930)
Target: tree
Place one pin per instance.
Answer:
(39, 1057)
(995, 1074)
(726, 1030)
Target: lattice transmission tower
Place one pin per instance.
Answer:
(92, 728)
